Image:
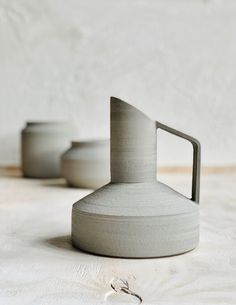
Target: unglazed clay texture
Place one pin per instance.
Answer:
(135, 215)
(133, 144)
(135, 220)
(42, 144)
(87, 164)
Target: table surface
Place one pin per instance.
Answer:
(38, 265)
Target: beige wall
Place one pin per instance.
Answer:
(175, 60)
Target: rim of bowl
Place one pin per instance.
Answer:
(89, 142)
(53, 123)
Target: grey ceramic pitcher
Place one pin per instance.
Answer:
(135, 215)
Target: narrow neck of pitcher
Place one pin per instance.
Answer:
(133, 144)
(133, 159)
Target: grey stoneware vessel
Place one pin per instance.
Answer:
(86, 164)
(135, 215)
(42, 144)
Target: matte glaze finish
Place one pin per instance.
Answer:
(133, 145)
(86, 164)
(42, 144)
(135, 215)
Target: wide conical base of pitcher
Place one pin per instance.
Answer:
(135, 220)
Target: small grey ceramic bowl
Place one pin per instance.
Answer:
(86, 164)
(42, 144)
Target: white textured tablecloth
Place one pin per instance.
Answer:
(39, 266)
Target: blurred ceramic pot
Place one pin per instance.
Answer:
(42, 144)
(86, 164)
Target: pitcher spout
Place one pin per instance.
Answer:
(133, 144)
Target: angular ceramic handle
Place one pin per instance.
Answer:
(196, 158)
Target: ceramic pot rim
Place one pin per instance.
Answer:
(89, 142)
(46, 123)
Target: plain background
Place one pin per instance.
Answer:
(175, 60)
